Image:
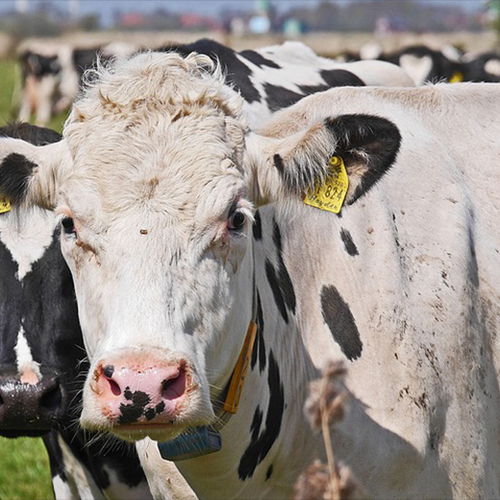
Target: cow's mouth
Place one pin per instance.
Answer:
(157, 432)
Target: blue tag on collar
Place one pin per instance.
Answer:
(196, 442)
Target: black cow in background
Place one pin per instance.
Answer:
(427, 65)
(42, 360)
(424, 64)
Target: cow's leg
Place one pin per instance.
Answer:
(29, 99)
(47, 90)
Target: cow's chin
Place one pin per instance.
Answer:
(158, 432)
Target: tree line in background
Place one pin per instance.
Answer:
(52, 19)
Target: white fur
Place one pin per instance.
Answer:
(24, 358)
(492, 66)
(61, 488)
(26, 236)
(417, 67)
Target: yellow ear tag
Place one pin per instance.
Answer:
(457, 77)
(4, 204)
(331, 194)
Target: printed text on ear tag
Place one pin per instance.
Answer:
(330, 195)
(4, 204)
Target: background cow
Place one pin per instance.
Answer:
(42, 360)
(424, 64)
(275, 77)
(51, 75)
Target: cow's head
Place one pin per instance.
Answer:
(40, 339)
(156, 182)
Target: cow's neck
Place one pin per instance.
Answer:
(260, 441)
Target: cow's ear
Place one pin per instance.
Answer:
(30, 175)
(368, 146)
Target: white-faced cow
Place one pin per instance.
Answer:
(156, 182)
(42, 360)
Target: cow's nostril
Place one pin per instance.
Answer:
(51, 399)
(115, 388)
(1, 400)
(108, 370)
(175, 387)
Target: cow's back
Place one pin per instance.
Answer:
(404, 285)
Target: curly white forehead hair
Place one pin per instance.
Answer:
(152, 82)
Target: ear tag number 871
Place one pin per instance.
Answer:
(330, 195)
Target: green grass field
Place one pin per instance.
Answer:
(10, 90)
(24, 465)
(24, 470)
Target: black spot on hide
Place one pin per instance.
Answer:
(275, 288)
(473, 269)
(259, 348)
(260, 444)
(236, 72)
(341, 78)
(258, 59)
(279, 280)
(337, 315)
(256, 423)
(150, 413)
(115, 455)
(269, 472)
(257, 227)
(279, 97)
(333, 78)
(278, 163)
(283, 275)
(348, 243)
(37, 65)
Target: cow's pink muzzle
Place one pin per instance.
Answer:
(140, 391)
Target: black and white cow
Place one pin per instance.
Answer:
(156, 182)
(275, 77)
(484, 67)
(52, 74)
(42, 360)
(424, 64)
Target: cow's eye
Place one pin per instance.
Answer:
(68, 225)
(236, 221)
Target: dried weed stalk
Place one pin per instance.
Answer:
(325, 407)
